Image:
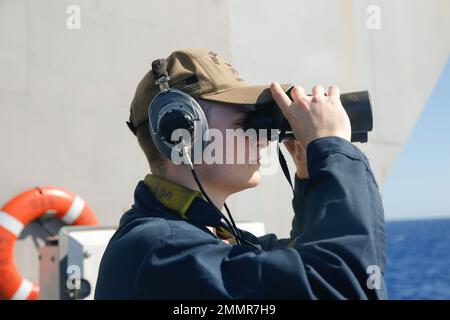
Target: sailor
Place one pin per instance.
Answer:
(174, 242)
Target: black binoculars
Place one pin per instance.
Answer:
(268, 116)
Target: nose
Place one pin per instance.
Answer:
(263, 142)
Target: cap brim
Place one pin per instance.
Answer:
(244, 95)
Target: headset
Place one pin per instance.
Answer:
(170, 110)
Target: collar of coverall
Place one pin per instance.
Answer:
(188, 203)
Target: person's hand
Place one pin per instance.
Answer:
(298, 154)
(313, 117)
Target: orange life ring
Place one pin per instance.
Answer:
(16, 214)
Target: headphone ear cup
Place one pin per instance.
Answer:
(173, 109)
(173, 120)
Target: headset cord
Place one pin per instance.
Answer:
(235, 230)
(232, 226)
(232, 221)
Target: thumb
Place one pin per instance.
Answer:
(290, 146)
(280, 98)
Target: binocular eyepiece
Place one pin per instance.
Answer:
(268, 116)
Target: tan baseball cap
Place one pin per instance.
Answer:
(201, 73)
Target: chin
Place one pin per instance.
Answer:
(238, 180)
(253, 180)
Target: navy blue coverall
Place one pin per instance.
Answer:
(337, 235)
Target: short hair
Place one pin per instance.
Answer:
(156, 160)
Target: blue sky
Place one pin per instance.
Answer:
(419, 183)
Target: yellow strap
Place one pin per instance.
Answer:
(172, 195)
(224, 234)
(179, 198)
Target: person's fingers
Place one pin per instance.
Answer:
(280, 98)
(334, 91)
(299, 145)
(318, 91)
(298, 93)
(290, 145)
